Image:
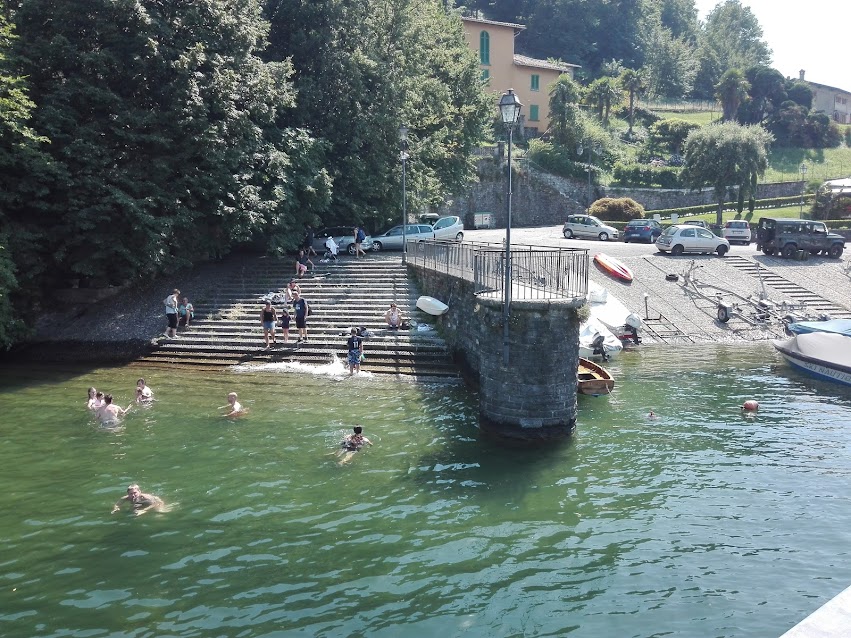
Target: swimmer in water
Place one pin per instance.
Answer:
(143, 392)
(139, 501)
(109, 413)
(90, 404)
(652, 416)
(235, 407)
(351, 444)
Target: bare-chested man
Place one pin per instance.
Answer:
(109, 413)
(139, 501)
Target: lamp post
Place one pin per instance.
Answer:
(803, 169)
(403, 155)
(509, 109)
(596, 149)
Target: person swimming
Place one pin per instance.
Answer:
(143, 392)
(351, 444)
(235, 407)
(109, 413)
(139, 501)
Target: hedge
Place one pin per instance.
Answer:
(772, 202)
(644, 175)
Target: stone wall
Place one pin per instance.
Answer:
(540, 199)
(534, 397)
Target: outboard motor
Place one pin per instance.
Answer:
(633, 323)
(597, 347)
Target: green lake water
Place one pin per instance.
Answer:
(700, 523)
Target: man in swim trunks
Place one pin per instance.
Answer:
(268, 317)
(109, 413)
(139, 501)
(351, 444)
(355, 348)
(301, 308)
(171, 302)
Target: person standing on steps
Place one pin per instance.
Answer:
(302, 310)
(308, 241)
(171, 303)
(268, 317)
(359, 237)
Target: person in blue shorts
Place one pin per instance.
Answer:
(301, 309)
(268, 317)
(355, 347)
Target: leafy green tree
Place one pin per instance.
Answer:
(603, 94)
(670, 65)
(668, 136)
(165, 125)
(800, 93)
(726, 156)
(766, 92)
(731, 39)
(565, 95)
(731, 89)
(365, 68)
(679, 17)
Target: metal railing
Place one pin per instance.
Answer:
(537, 272)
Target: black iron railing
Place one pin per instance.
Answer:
(537, 272)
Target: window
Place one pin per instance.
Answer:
(485, 47)
(536, 82)
(533, 112)
(486, 75)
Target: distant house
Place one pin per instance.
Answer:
(503, 69)
(834, 102)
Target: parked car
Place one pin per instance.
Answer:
(697, 222)
(788, 236)
(687, 238)
(392, 239)
(737, 230)
(642, 230)
(344, 237)
(449, 228)
(588, 226)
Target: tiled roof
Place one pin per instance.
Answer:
(829, 88)
(522, 60)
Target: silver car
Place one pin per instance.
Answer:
(449, 228)
(687, 238)
(589, 227)
(392, 239)
(344, 237)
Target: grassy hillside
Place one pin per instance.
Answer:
(822, 164)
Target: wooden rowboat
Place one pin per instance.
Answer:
(593, 378)
(613, 267)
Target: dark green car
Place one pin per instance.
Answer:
(787, 236)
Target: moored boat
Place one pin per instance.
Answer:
(596, 341)
(838, 326)
(825, 355)
(593, 378)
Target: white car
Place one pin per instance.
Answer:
(392, 239)
(589, 227)
(685, 238)
(449, 228)
(737, 230)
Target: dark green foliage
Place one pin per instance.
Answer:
(646, 176)
(556, 159)
(793, 126)
(668, 136)
(643, 116)
(616, 209)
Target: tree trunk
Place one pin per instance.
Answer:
(719, 212)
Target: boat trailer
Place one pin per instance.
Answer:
(755, 309)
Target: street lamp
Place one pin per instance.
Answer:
(803, 169)
(596, 149)
(509, 109)
(403, 155)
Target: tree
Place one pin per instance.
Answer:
(670, 66)
(731, 89)
(603, 93)
(726, 156)
(164, 124)
(668, 136)
(632, 82)
(766, 92)
(565, 95)
(731, 39)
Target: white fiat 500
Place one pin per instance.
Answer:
(684, 238)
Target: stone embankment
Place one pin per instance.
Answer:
(226, 329)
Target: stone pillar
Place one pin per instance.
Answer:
(534, 397)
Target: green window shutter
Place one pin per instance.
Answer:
(486, 75)
(533, 112)
(485, 47)
(536, 82)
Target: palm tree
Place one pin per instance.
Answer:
(731, 89)
(565, 93)
(603, 93)
(635, 83)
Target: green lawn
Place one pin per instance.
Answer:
(822, 164)
(696, 117)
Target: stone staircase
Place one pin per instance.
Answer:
(226, 330)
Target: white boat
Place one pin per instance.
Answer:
(826, 355)
(432, 306)
(611, 312)
(839, 326)
(597, 342)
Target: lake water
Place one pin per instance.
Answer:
(699, 523)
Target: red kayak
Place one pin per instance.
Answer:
(613, 267)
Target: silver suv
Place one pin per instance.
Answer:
(588, 226)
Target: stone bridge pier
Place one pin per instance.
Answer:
(534, 396)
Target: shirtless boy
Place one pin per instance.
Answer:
(109, 413)
(235, 407)
(139, 501)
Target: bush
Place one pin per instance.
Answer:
(555, 159)
(646, 176)
(616, 209)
